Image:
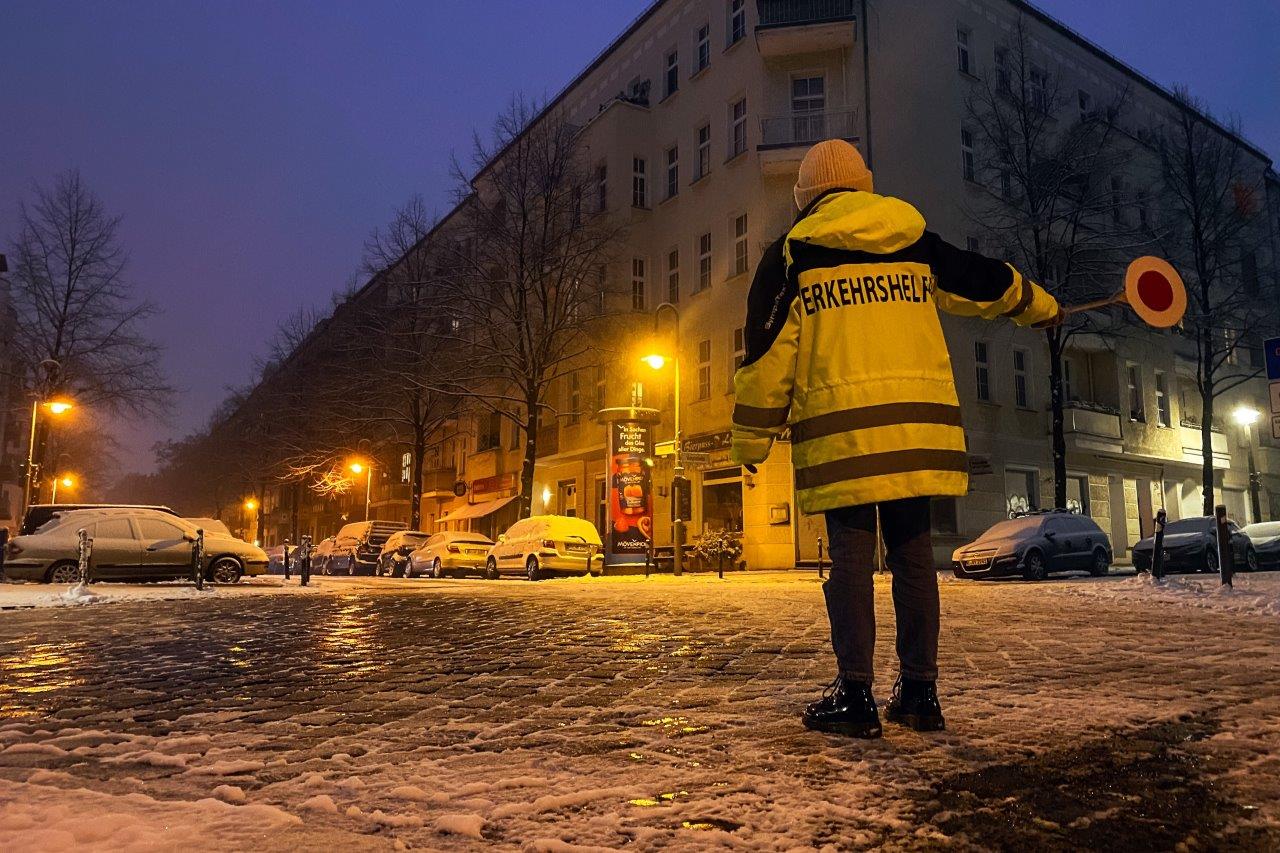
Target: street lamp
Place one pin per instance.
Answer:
(367, 468)
(1247, 416)
(57, 407)
(66, 481)
(679, 484)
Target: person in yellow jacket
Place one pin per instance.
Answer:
(845, 347)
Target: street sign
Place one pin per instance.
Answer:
(1275, 398)
(1272, 350)
(664, 448)
(694, 458)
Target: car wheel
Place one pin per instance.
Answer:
(224, 570)
(531, 569)
(1251, 560)
(1211, 560)
(1101, 565)
(437, 571)
(64, 572)
(491, 569)
(1033, 567)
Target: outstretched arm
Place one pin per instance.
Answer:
(763, 384)
(973, 285)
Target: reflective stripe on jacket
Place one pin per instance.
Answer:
(844, 344)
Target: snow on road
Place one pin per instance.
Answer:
(634, 713)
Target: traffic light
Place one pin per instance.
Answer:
(681, 499)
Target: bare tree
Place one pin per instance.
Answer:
(524, 267)
(1048, 196)
(79, 327)
(1211, 204)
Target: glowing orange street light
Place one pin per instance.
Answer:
(367, 469)
(251, 504)
(66, 481)
(59, 406)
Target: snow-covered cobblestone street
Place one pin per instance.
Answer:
(625, 712)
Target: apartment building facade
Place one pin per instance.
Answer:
(694, 122)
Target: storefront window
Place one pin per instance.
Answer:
(722, 500)
(1078, 494)
(1021, 490)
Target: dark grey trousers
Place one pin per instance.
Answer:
(850, 592)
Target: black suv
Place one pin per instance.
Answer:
(1035, 544)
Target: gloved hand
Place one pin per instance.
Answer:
(1056, 320)
(751, 469)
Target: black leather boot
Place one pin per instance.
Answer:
(846, 708)
(915, 705)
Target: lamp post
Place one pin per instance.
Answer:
(679, 484)
(66, 481)
(250, 505)
(367, 469)
(1247, 416)
(54, 407)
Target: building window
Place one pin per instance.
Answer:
(703, 39)
(673, 74)
(602, 187)
(808, 102)
(982, 368)
(515, 436)
(1002, 70)
(1137, 411)
(740, 245)
(1021, 490)
(739, 351)
(575, 399)
(637, 284)
(673, 276)
(1078, 495)
(1021, 397)
(639, 183)
(567, 498)
(962, 50)
(1162, 400)
(490, 432)
(1085, 101)
(406, 467)
(737, 21)
(704, 262)
(1249, 272)
(967, 156)
(1039, 85)
(600, 388)
(704, 152)
(673, 171)
(737, 128)
(704, 369)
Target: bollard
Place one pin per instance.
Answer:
(305, 547)
(1225, 563)
(197, 558)
(85, 552)
(4, 546)
(1157, 550)
(648, 558)
(285, 559)
(820, 557)
(720, 563)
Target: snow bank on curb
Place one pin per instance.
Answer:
(1252, 595)
(22, 596)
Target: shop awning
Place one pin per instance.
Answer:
(476, 510)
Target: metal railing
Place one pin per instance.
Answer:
(784, 13)
(806, 128)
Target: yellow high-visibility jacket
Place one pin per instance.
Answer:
(844, 344)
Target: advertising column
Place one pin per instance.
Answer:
(630, 479)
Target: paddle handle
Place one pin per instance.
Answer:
(1095, 304)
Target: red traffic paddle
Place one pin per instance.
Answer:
(1152, 288)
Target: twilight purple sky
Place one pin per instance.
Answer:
(250, 147)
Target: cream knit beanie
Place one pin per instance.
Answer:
(830, 165)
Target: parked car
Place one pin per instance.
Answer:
(357, 546)
(38, 514)
(544, 544)
(128, 544)
(1191, 545)
(1265, 536)
(320, 554)
(275, 559)
(450, 554)
(394, 556)
(1034, 546)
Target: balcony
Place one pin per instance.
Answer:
(784, 139)
(789, 27)
(438, 482)
(1092, 427)
(1191, 445)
